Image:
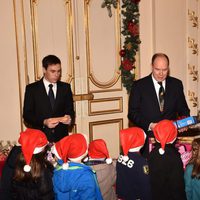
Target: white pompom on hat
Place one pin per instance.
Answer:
(98, 149)
(132, 140)
(32, 141)
(73, 147)
(165, 132)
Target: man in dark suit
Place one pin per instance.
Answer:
(146, 107)
(48, 103)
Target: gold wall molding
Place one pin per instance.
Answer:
(193, 71)
(193, 18)
(91, 76)
(193, 45)
(119, 122)
(34, 24)
(193, 98)
(118, 109)
(18, 54)
(35, 37)
(69, 26)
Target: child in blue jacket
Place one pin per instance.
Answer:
(72, 179)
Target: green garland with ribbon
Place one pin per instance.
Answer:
(130, 31)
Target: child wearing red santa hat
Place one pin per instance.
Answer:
(72, 179)
(27, 174)
(165, 164)
(104, 167)
(132, 169)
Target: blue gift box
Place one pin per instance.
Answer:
(185, 122)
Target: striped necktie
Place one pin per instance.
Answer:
(161, 95)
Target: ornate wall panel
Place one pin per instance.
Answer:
(192, 55)
(102, 42)
(107, 129)
(105, 106)
(51, 37)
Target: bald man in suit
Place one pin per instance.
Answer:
(145, 109)
(39, 112)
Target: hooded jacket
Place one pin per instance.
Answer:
(78, 182)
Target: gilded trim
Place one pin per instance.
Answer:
(34, 24)
(102, 112)
(193, 98)
(24, 44)
(83, 97)
(193, 45)
(91, 76)
(98, 123)
(18, 65)
(193, 18)
(69, 27)
(193, 71)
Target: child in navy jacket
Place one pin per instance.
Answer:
(132, 169)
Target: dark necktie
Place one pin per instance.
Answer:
(51, 95)
(161, 96)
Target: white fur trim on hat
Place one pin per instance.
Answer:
(39, 149)
(161, 151)
(65, 166)
(27, 168)
(109, 161)
(136, 149)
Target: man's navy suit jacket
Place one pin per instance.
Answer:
(37, 107)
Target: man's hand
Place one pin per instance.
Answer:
(152, 125)
(51, 122)
(66, 119)
(181, 130)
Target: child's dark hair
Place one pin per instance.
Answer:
(50, 60)
(38, 163)
(195, 160)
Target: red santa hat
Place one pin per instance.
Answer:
(132, 139)
(98, 149)
(165, 132)
(73, 147)
(32, 142)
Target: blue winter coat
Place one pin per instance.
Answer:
(78, 182)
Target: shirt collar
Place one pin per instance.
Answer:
(155, 82)
(46, 83)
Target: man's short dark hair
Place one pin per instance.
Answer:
(161, 55)
(50, 60)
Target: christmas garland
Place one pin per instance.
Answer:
(130, 31)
